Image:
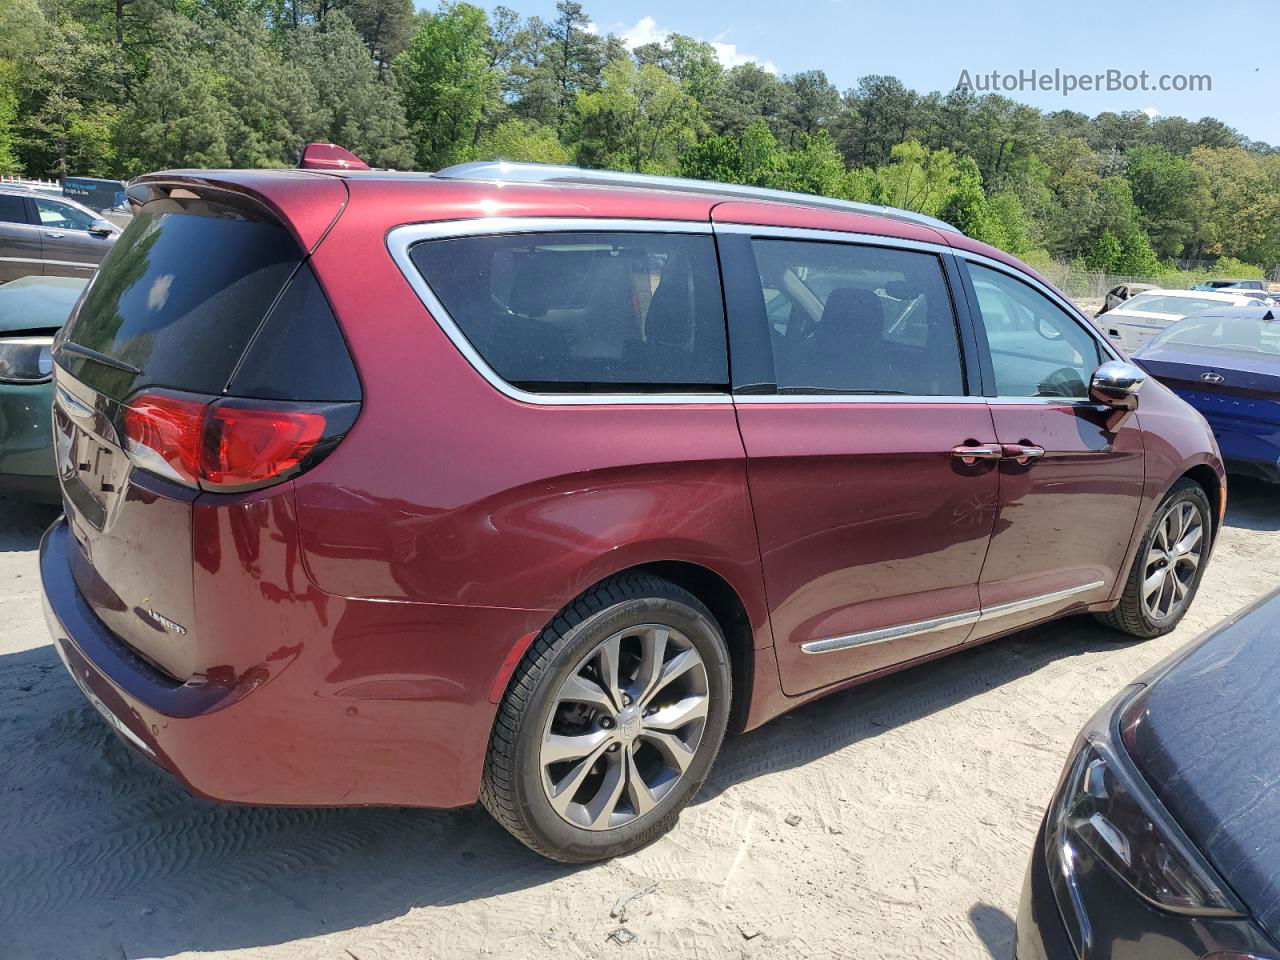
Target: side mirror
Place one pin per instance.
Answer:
(1116, 384)
(101, 228)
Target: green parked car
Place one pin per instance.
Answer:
(31, 311)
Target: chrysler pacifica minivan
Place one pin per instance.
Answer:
(525, 484)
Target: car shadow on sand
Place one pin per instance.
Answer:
(103, 855)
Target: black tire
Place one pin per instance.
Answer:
(1130, 615)
(512, 788)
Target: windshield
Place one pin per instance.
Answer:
(1239, 334)
(1166, 303)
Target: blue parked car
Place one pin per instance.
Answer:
(1226, 364)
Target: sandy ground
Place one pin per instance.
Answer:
(917, 798)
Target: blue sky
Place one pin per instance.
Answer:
(927, 43)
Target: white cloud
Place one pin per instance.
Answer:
(1151, 112)
(646, 30)
(729, 55)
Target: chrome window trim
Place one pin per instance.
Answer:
(934, 624)
(401, 239)
(877, 398)
(832, 236)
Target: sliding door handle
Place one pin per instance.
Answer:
(969, 454)
(1022, 453)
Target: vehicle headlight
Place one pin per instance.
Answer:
(1104, 811)
(26, 359)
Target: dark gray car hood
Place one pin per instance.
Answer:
(1207, 737)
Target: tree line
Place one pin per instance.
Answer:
(118, 87)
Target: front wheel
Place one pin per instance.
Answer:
(611, 722)
(1167, 569)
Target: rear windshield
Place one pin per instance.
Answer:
(602, 312)
(1163, 303)
(1241, 334)
(178, 298)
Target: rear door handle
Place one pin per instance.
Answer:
(969, 454)
(1021, 453)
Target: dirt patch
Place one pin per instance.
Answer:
(891, 820)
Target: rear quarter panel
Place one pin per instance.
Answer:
(448, 491)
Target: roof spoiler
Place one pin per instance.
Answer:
(329, 156)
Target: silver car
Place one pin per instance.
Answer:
(53, 236)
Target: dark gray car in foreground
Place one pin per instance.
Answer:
(1163, 839)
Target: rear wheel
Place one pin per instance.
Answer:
(1167, 569)
(611, 722)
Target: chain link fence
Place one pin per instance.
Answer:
(1088, 288)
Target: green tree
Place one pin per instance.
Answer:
(1105, 254)
(640, 120)
(749, 93)
(812, 105)
(354, 107)
(718, 157)
(814, 166)
(67, 95)
(693, 63)
(918, 178)
(447, 83)
(218, 94)
(1164, 189)
(1137, 258)
(8, 118)
(517, 139)
(385, 26)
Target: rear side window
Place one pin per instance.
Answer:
(602, 312)
(12, 209)
(178, 299)
(856, 319)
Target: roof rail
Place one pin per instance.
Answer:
(553, 173)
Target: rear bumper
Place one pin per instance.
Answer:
(308, 728)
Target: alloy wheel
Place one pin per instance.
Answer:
(625, 726)
(1172, 561)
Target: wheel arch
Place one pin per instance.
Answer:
(1214, 488)
(731, 615)
(712, 589)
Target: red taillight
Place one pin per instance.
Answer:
(164, 433)
(223, 444)
(247, 446)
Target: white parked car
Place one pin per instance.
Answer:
(1140, 318)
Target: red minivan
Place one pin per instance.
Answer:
(525, 484)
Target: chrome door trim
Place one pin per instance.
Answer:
(1019, 606)
(919, 627)
(402, 238)
(886, 634)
